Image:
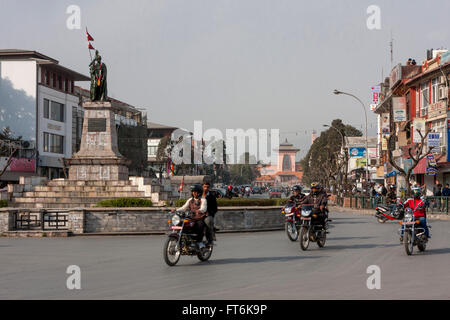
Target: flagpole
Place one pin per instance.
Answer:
(90, 54)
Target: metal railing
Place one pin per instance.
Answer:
(40, 220)
(436, 204)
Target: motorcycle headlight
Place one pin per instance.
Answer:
(176, 219)
(408, 217)
(287, 210)
(306, 213)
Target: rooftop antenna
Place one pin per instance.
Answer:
(391, 44)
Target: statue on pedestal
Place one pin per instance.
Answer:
(99, 90)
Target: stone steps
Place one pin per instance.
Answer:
(98, 183)
(85, 189)
(80, 194)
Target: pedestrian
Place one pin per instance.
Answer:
(211, 209)
(446, 191)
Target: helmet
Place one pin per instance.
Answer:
(315, 185)
(196, 187)
(297, 188)
(416, 191)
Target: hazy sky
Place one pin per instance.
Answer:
(234, 63)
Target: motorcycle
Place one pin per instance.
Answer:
(414, 233)
(311, 229)
(384, 213)
(292, 224)
(181, 241)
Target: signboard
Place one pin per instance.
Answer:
(357, 152)
(373, 152)
(375, 97)
(385, 123)
(437, 109)
(431, 165)
(434, 141)
(418, 124)
(399, 108)
(396, 75)
(97, 125)
(376, 89)
(22, 165)
(408, 163)
(373, 107)
(384, 142)
(361, 162)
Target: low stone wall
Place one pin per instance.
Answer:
(155, 220)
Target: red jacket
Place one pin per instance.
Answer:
(413, 203)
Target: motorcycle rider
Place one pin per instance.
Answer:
(319, 199)
(211, 205)
(297, 196)
(420, 203)
(197, 206)
(391, 196)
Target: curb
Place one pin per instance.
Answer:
(431, 216)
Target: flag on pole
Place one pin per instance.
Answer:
(89, 38)
(90, 46)
(181, 185)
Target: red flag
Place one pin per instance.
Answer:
(89, 38)
(181, 185)
(91, 47)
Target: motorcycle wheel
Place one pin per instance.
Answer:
(290, 227)
(321, 240)
(381, 220)
(304, 238)
(408, 242)
(205, 253)
(171, 252)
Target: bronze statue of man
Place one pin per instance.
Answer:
(98, 70)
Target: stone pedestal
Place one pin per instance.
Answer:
(99, 157)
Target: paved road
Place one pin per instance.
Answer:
(263, 265)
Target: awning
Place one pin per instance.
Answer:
(421, 167)
(390, 174)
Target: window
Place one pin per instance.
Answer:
(53, 110)
(46, 108)
(424, 99)
(53, 143)
(417, 102)
(54, 79)
(434, 90)
(152, 150)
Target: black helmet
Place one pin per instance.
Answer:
(297, 188)
(196, 187)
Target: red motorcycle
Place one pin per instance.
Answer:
(390, 212)
(292, 224)
(181, 241)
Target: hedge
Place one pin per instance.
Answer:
(125, 203)
(3, 203)
(239, 202)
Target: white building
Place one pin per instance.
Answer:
(37, 102)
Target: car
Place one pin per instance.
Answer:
(275, 193)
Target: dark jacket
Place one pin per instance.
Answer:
(298, 198)
(211, 203)
(446, 192)
(321, 199)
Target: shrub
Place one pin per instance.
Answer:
(240, 202)
(3, 203)
(124, 203)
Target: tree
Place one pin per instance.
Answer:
(244, 173)
(415, 153)
(323, 162)
(9, 145)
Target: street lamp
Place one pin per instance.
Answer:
(367, 147)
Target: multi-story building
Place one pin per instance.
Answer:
(416, 97)
(37, 103)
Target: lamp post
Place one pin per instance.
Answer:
(343, 149)
(367, 148)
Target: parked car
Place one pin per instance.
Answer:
(257, 190)
(275, 193)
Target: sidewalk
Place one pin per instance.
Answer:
(369, 212)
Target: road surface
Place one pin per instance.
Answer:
(260, 265)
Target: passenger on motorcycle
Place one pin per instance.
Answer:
(297, 196)
(197, 206)
(319, 199)
(420, 203)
